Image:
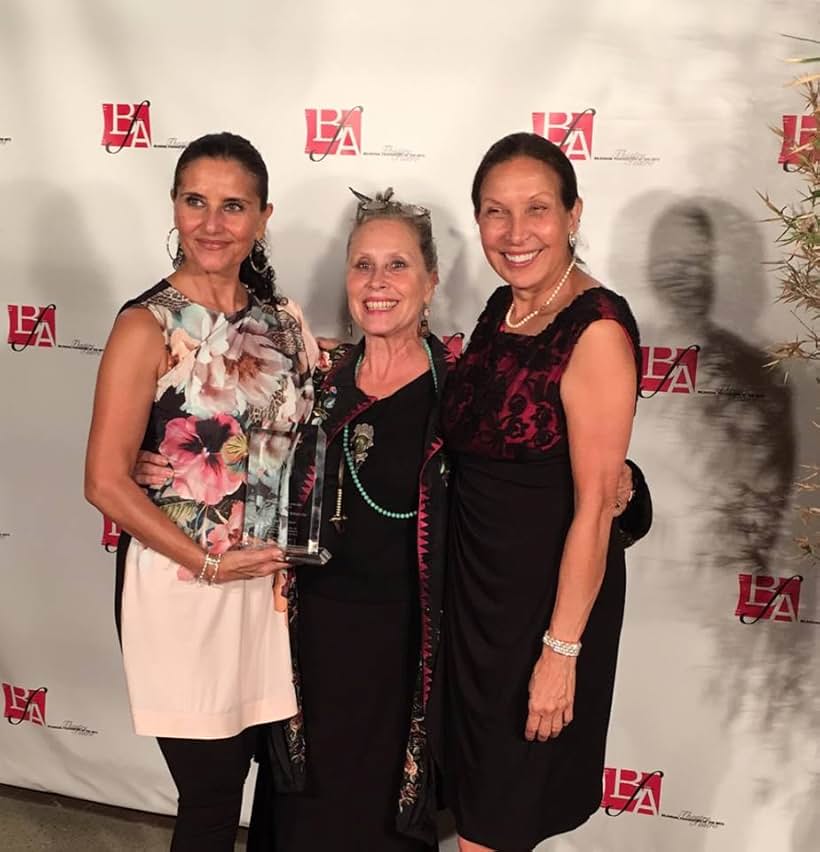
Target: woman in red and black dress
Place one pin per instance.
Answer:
(537, 418)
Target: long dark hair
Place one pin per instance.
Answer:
(230, 146)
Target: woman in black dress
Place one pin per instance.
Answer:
(365, 626)
(537, 419)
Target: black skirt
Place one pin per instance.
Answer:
(358, 664)
(508, 528)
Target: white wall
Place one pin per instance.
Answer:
(684, 93)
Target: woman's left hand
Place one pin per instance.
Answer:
(626, 490)
(552, 694)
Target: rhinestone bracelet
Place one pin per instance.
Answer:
(565, 649)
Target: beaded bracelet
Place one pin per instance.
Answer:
(215, 563)
(565, 649)
(210, 561)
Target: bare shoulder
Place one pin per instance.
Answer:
(137, 322)
(604, 332)
(136, 343)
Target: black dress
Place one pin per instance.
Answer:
(358, 644)
(512, 507)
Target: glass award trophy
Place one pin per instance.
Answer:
(283, 501)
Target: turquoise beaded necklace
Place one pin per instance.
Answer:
(387, 513)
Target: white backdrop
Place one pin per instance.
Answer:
(720, 715)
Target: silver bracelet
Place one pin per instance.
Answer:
(565, 649)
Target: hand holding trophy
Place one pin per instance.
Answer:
(283, 502)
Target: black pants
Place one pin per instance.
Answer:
(210, 776)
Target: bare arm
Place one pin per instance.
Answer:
(598, 393)
(134, 357)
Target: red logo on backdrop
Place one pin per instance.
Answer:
(333, 131)
(667, 369)
(126, 126)
(762, 597)
(798, 130)
(570, 131)
(24, 705)
(30, 325)
(628, 791)
(110, 534)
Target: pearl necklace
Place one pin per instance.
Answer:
(387, 513)
(508, 319)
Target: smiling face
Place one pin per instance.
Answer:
(387, 281)
(524, 225)
(219, 215)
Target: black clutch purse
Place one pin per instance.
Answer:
(636, 519)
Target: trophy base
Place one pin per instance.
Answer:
(307, 556)
(296, 554)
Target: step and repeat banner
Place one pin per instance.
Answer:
(666, 112)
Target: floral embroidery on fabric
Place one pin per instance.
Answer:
(326, 393)
(504, 395)
(226, 373)
(414, 762)
(294, 727)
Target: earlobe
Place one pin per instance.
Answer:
(431, 290)
(578, 209)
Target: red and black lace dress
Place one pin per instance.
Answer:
(506, 431)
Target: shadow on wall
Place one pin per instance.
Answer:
(742, 426)
(736, 438)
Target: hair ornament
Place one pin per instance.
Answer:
(383, 203)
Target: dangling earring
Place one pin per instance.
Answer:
(349, 326)
(573, 239)
(424, 325)
(259, 255)
(178, 256)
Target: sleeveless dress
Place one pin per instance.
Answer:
(506, 431)
(206, 662)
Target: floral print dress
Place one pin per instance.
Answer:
(206, 662)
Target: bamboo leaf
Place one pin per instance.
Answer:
(806, 78)
(800, 38)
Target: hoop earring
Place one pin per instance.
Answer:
(177, 257)
(259, 254)
(424, 325)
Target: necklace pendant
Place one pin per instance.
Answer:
(362, 441)
(338, 521)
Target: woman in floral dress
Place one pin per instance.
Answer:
(190, 365)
